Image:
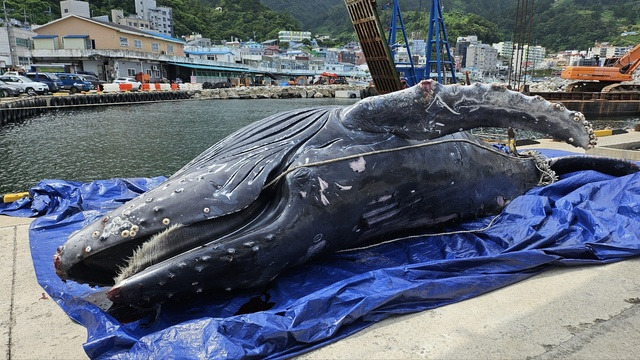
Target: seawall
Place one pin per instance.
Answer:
(19, 109)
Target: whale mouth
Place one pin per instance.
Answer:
(100, 268)
(120, 261)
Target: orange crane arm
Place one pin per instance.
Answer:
(630, 61)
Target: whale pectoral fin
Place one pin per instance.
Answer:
(430, 110)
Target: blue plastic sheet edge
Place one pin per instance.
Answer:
(585, 218)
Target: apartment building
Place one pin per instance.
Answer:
(482, 57)
(159, 18)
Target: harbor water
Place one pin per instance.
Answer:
(141, 140)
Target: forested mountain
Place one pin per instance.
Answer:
(244, 19)
(558, 24)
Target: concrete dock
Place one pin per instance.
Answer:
(574, 313)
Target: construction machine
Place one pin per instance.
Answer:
(608, 78)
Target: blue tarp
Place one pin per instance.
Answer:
(585, 218)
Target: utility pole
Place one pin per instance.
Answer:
(10, 38)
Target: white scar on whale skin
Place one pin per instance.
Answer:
(146, 255)
(323, 186)
(358, 165)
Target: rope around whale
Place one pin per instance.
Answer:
(547, 176)
(423, 235)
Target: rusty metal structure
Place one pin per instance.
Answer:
(618, 103)
(374, 45)
(518, 64)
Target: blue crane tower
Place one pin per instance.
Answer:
(380, 54)
(438, 54)
(435, 44)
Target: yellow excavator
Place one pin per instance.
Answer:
(607, 78)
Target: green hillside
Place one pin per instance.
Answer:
(244, 19)
(558, 24)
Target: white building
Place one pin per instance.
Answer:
(160, 18)
(529, 57)
(15, 45)
(69, 7)
(605, 50)
(117, 16)
(535, 54)
(482, 57)
(293, 36)
(505, 48)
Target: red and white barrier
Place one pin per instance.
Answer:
(150, 87)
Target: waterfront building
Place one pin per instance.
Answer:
(74, 7)
(107, 49)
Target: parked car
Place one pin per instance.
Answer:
(7, 90)
(97, 83)
(128, 80)
(51, 80)
(74, 83)
(29, 86)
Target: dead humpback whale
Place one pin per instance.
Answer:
(297, 184)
